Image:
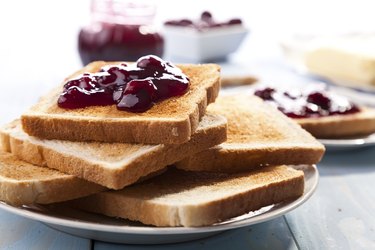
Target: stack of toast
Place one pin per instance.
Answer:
(180, 163)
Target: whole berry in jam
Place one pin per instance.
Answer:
(265, 94)
(150, 62)
(112, 75)
(185, 22)
(76, 97)
(138, 96)
(170, 87)
(206, 15)
(235, 21)
(319, 99)
(86, 82)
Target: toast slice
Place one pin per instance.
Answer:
(341, 126)
(172, 121)
(183, 198)
(113, 165)
(22, 183)
(258, 135)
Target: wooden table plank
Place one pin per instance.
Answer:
(273, 234)
(340, 215)
(19, 233)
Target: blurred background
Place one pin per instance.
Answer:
(39, 39)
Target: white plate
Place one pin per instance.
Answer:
(103, 228)
(348, 144)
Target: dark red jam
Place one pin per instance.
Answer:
(205, 22)
(118, 42)
(308, 103)
(133, 88)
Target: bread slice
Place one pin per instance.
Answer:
(341, 126)
(22, 183)
(258, 135)
(114, 165)
(171, 121)
(182, 198)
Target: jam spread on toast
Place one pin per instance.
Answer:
(315, 102)
(133, 88)
(206, 21)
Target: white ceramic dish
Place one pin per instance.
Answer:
(188, 44)
(103, 228)
(348, 144)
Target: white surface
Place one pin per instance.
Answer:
(121, 231)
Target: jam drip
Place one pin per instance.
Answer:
(206, 21)
(310, 103)
(133, 88)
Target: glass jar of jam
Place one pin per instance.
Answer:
(120, 30)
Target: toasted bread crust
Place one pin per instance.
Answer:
(258, 135)
(22, 183)
(227, 159)
(341, 126)
(172, 121)
(128, 169)
(167, 199)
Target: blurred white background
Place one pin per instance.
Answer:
(38, 39)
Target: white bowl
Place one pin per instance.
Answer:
(191, 45)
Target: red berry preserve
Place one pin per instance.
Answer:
(315, 102)
(134, 88)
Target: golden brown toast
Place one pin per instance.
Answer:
(171, 121)
(113, 165)
(23, 183)
(258, 135)
(341, 126)
(183, 198)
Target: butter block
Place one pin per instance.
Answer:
(346, 59)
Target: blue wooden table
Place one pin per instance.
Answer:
(340, 215)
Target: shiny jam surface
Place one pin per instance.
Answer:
(312, 102)
(133, 88)
(205, 22)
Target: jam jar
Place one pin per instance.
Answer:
(120, 30)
